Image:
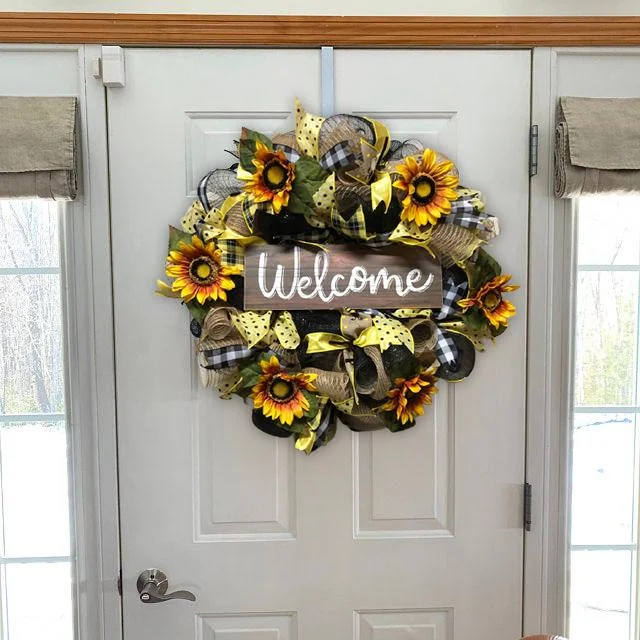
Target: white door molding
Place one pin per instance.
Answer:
(91, 246)
(548, 355)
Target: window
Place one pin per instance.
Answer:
(605, 447)
(35, 542)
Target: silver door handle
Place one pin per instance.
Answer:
(152, 586)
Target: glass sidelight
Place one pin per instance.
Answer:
(36, 560)
(605, 441)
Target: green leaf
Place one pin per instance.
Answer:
(499, 331)
(298, 426)
(176, 236)
(250, 375)
(297, 205)
(475, 320)
(485, 268)
(247, 148)
(197, 311)
(313, 404)
(309, 177)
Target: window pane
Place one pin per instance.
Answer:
(606, 327)
(600, 595)
(605, 449)
(35, 489)
(39, 601)
(31, 359)
(602, 504)
(29, 229)
(616, 242)
(35, 546)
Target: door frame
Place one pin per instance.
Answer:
(88, 317)
(550, 358)
(89, 254)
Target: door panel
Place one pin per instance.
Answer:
(461, 475)
(379, 536)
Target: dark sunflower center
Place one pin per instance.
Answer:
(275, 175)
(203, 270)
(424, 189)
(492, 299)
(281, 390)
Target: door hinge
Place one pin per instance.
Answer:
(533, 150)
(528, 492)
(109, 67)
(120, 583)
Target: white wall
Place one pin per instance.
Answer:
(339, 7)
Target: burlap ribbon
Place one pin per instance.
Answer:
(224, 380)
(236, 219)
(425, 338)
(333, 384)
(287, 357)
(217, 326)
(453, 244)
(362, 418)
(219, 332)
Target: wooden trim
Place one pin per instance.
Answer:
(314, 31)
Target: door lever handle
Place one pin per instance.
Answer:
(152, 586)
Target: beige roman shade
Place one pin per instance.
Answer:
(38, 147)
(597, 146)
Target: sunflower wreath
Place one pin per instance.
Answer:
(340, 179)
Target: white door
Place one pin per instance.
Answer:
(377, 536)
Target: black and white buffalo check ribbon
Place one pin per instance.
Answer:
(454, 287)
(465, 213)
(225, 357)
(446, 350)
(340, 156)
(289, 152)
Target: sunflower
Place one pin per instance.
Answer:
(429, 187)
(273, 178)
(408, 397)
(280, 394)
(198, 271)
(489, 300)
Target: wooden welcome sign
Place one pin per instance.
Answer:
(279, 277)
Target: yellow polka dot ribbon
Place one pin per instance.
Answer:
(476, 337)
(324, 200)
(286, 332)
(307, 130)
(412, 313)
(392, 331)
(211, 226)
(255, 328)
(383, 332)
